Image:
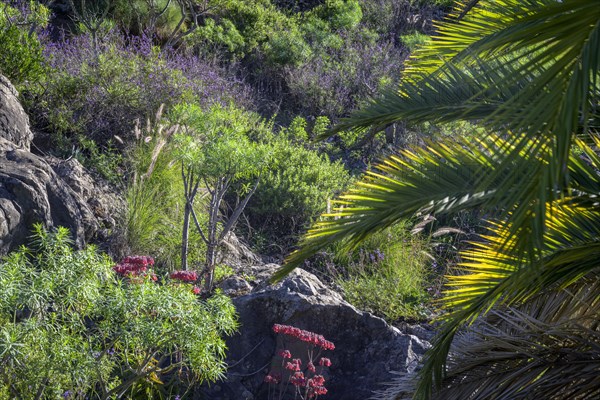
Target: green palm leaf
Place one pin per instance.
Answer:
(528, 69)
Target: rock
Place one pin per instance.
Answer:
(235, 286)
(14, 122)
(369, 353)
(235, 253)
(46, 190)
(103, 201)
(31, 192)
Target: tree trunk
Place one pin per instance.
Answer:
(185, 237)
(211, 258)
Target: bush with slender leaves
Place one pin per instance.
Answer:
(71, 327)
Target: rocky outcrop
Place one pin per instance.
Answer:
(31, 192)
(369, 353)
(49, 191)
(14, 122)
(98, 196)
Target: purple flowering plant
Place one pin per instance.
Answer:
(102, 96)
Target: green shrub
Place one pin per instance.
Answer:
(286, 47)
(20, 49)
(414, 40)
(157, 16)
(293, 191)
(212, 38)
(387, 275)
(341, 14)
(70, 328)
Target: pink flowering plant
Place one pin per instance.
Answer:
(74, 325)
(137, 269)
(302, 375)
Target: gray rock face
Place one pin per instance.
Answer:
(368, 353)
(99, 197)
(45, 190)
(14, 123)
(31, 192)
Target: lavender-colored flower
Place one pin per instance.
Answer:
(101, 95)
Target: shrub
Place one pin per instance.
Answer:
(342, 74)
(414, 40)
(157, 16)
(293, 191)
(286, 47)
(98, 98)
(70, 327)
(214, 150)
(20, 49)
(388, 274)
(341, 14)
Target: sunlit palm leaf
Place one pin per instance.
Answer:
(441, 178)
(493, 272)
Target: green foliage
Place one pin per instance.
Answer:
(287, 47)
(70, 326)
(387, 275)
(20, 49)
(414, 40)
(240, 27)
(214, 150)
(294, 189)
(222, 272)
(296, 132)
(157, 16)
(341, 14)
(218, 37)
(215, 142)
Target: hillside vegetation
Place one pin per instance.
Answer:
(421, 169)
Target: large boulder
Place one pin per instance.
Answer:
(31, 192)
(104, 202)
(46, 190)
(369, 353)
(14, 122)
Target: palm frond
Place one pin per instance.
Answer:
(494, 273)
(441, 178)
(545, 348)
(527, 66)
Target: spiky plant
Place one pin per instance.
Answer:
(527, 70)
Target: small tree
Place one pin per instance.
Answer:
(214, 151)
(93, 17)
